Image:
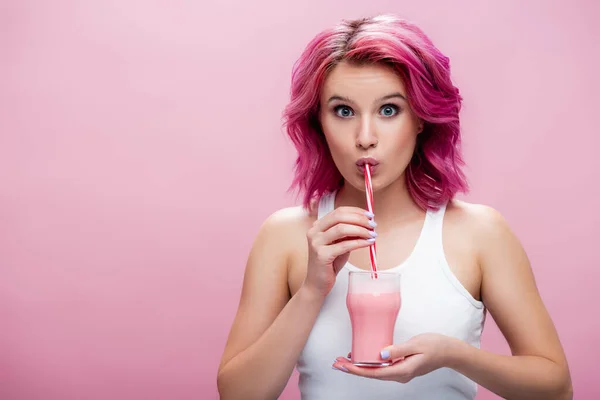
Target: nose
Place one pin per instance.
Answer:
(366, 136)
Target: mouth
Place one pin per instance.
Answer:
(373, 163)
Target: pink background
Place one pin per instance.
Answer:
(140, 149)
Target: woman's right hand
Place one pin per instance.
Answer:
(330, 241)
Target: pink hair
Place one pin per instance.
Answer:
(433, 175)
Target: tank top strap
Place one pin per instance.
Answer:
(326, 204)
(432, 229)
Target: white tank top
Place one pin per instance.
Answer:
(433, 300)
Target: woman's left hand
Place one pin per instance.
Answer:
(418, 356)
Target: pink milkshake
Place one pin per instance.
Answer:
(373, 304)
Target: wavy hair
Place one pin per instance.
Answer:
(434, 174)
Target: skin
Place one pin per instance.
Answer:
(295, 260)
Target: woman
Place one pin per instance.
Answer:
(377, 91)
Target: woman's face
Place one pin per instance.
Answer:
(366, 118)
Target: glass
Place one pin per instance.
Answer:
(373, 302)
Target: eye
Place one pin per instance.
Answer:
(343, 111)
(389, 110)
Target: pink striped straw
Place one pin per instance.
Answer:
(369, 192)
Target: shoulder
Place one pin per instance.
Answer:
(289, 219)
(478, 216)
(284, 227)
(487, 228)
(276, 244)
(483, 218)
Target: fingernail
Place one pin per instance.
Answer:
(372, 240)
(385, 354)
(372, 223)
(344, 369)
(373, 233)
(369, 214)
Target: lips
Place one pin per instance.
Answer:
(373, 163)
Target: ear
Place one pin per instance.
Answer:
(420, 126)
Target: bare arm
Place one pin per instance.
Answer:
(538, 367)
(270, 329)
(263, 369)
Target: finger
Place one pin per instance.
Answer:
(399, 351)
(350, 215)
(343, 231)
(337, 249)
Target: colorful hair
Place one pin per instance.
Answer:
(434, 173)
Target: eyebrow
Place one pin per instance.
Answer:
(347, 99)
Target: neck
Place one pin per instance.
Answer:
(390, 204)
